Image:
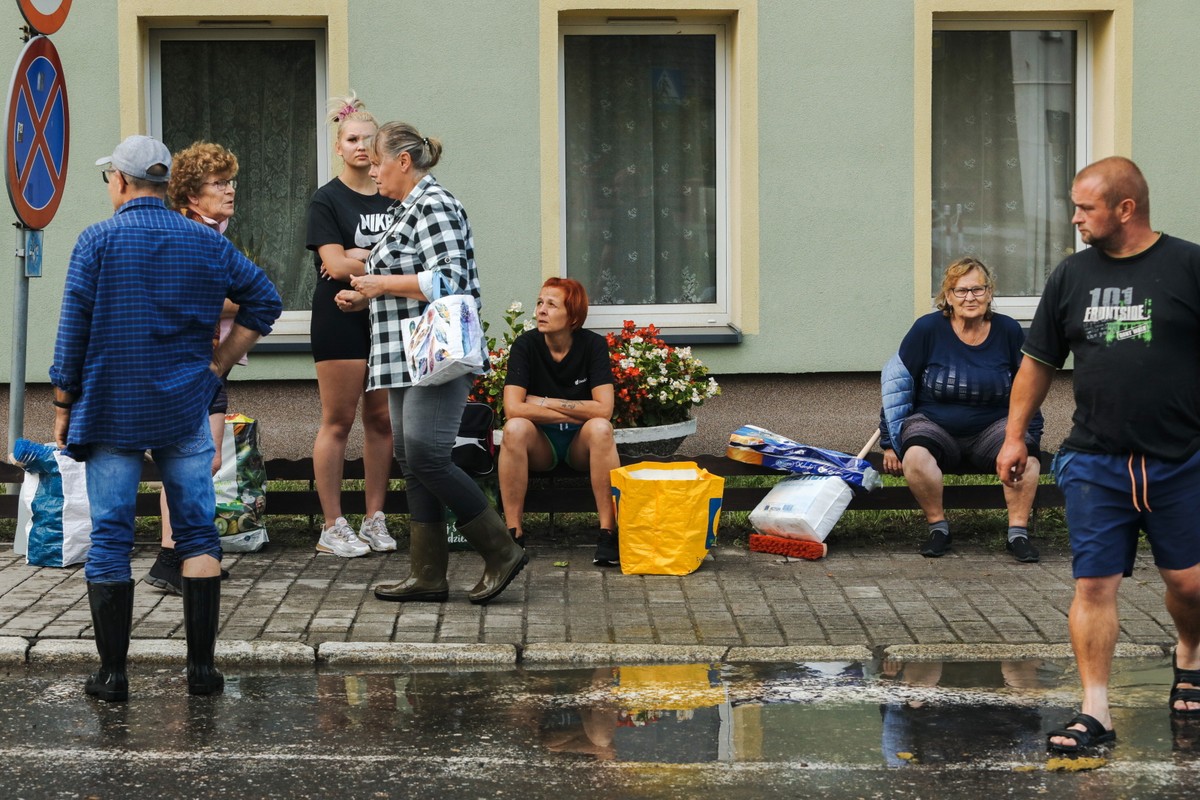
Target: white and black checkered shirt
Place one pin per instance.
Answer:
(429, 233)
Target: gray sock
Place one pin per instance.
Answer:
(1017, 531)
(941, 525)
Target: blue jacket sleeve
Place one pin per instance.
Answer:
(896, 385)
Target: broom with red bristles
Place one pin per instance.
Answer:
(799, 548)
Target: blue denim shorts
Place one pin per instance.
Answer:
(1110, 498)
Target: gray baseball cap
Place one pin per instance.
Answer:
(137, 154)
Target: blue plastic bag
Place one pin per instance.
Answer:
(54, 491)
(754, 445)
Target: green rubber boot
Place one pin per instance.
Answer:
(503, 558)
(429, 558)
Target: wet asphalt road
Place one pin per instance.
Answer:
(836, 730)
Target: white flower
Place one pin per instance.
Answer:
(626, 363)
(530, 324)
(516, 308)
(635, 340)
(651, 381)
(662, 396)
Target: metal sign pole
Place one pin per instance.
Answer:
(16, 384)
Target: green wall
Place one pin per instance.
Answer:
(836, 157)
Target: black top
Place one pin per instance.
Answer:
(339, 215)
(584, 367)
(1133, 325)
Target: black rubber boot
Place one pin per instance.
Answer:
(112, 620)
(503, 558)
(429, 558)
(201, 618)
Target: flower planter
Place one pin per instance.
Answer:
(656, 440)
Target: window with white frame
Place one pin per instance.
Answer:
(261, 94)
(644, 171)
(1010, 129)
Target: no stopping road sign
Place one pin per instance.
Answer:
(37, 130)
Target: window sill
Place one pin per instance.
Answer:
(686, 336)
(283, 343)
(676, 337)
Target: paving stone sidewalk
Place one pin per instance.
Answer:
(866, 597)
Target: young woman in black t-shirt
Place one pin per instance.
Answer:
(346, 217)
(558, 398)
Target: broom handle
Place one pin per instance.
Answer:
(870, 443)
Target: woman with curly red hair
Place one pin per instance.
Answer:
(202, 188)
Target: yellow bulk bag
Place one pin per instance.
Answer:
(667, 515)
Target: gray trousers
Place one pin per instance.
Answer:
(425, 422)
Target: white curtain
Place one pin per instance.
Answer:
(640, 120)
(1003, 153)
(256, 99)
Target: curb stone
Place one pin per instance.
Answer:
(621, 653)
(83, 651)
(1008, 652)
(798, 654)
(13, 650)
(415, 653)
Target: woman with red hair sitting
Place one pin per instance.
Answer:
(558, 399)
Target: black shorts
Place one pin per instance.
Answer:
(952, 452)
(334, 334)
(220, 402)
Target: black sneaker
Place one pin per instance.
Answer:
(165, 572)
(1023, 550)
(937, 546)
(607, 552)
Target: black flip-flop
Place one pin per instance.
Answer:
(1093, 734)
(1186, 694)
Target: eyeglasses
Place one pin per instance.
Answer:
(222, 186)
(974, 291)
(104, 173)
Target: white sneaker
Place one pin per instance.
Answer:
(375, 533)
(339, 540)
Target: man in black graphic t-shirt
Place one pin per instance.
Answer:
(1128, 309)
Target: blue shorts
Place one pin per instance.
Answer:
(560, 435)
(1111, 497)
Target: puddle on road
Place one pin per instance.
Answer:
(830, 715)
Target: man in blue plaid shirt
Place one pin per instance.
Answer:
(134, 370)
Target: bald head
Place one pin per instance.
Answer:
(1118, 179)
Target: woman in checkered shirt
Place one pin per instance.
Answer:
(427, 253)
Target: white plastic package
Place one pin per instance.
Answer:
(802, 507)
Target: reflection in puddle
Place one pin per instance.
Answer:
(668, 713)
(899, 715)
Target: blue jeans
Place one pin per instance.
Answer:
(112, 482)
(425, 422)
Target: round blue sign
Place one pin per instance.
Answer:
(37, 128)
